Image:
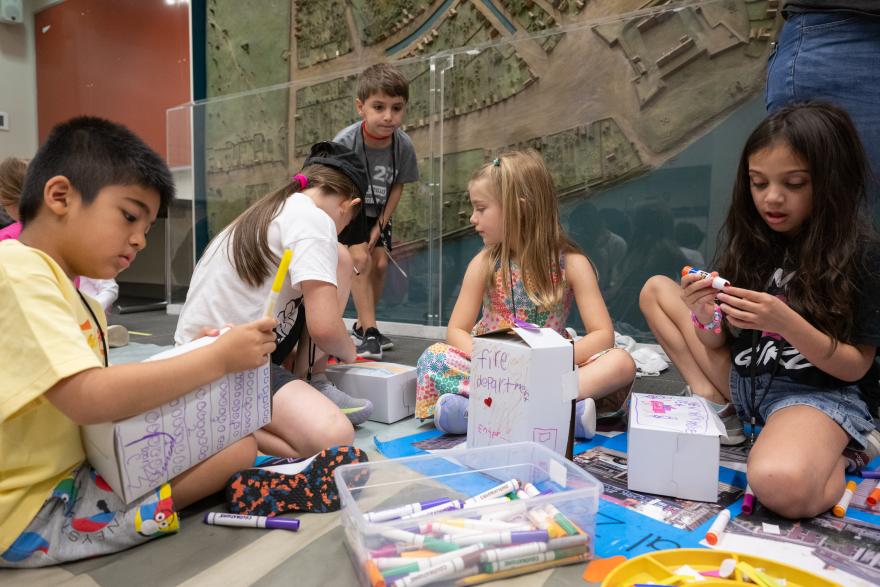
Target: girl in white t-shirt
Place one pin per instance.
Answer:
(233, 279)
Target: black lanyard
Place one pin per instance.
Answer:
(97, 326)
(370, 181)
(753, 364)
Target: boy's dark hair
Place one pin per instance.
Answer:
(94, 153)
(385, 78)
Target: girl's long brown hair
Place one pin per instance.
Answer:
(523, 185)
(12, 172)
(828, 253)
(251, 256)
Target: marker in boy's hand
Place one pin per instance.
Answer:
(246, 346)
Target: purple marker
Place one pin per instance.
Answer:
(221, 519)
(748, 501)
(386, 551)
(404, 510)
(526, 325)
(503, 537)
(870, 474)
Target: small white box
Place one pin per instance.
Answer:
(390, 386)
(673, 446)
(138, 454)
(522, 384)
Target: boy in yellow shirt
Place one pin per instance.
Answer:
(90, 196)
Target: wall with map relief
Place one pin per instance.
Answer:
(607, 90)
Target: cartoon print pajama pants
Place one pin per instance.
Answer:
(84, 518)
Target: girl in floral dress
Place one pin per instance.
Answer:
(528, 271)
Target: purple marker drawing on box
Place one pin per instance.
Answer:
(143, 452)
(526, 325)
(545, 436)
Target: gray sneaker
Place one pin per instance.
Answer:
(734, 426)
(736, 434)
(370, 348)
(357, 409)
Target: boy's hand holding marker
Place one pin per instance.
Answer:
(246, 346)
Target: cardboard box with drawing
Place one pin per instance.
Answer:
(138, 454)
(522, 384)
(673, 446)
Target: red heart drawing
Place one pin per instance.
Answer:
(488, 402)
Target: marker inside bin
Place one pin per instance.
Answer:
(512, 518)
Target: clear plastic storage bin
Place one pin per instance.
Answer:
(422, 521)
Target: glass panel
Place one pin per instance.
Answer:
(247, 145)
(640, 117)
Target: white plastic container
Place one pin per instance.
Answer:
(368, 491)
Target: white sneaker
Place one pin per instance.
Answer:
(585, 419)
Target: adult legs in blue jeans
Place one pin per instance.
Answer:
(835, 57)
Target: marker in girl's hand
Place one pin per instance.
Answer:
(717, 281)
(269, 309)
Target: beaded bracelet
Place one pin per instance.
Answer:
(714, 325)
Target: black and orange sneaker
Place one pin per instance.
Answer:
(291, 485)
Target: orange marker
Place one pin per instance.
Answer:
(373, 574)
(873, 497)
(840, 509)
(418, 554)
(717, 528)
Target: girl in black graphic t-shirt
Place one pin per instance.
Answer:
(792, 342)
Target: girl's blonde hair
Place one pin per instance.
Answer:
(523, 186)
(12, 172)
(251, 256)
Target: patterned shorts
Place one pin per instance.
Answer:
(84, 518)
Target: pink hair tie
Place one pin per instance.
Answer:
(302, 179)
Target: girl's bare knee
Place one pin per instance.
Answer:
(652, 288)
(335, 430)
(785, 487)
(624, 365)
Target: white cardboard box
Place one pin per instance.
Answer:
(391, 387)
(522, 384)
(673, 446)
(138, 454)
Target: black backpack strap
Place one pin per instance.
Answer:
(286, 345)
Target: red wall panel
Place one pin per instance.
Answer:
(124, 60)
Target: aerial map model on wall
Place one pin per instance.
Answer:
(604, 97)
